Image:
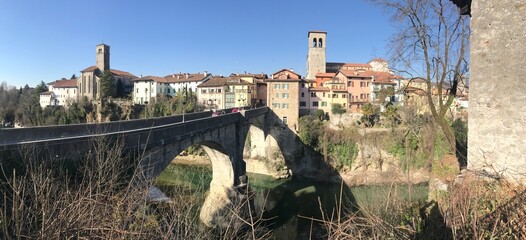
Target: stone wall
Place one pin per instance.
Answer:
(497, 110)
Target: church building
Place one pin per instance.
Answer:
(88, 83)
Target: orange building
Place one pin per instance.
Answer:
(358, 87)
(321, 78)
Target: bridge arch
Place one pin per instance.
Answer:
(156, 159)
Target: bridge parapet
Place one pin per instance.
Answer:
(15, 135)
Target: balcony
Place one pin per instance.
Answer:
(376, 88)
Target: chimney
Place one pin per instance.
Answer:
(292, 69)
(205, 73)
(173, 75)
(186, 75)
(178, 77)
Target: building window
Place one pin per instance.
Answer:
(334, 95)
(324, 104)
(276, 95)
(362, 96)
(302, 94)
(368, 84)
(285, 95)
(303, 104)
(314, 104)
(344, 96)
(276, 105)
(137, 90)
(313, 94)
(303, 85)
(219, 90)
(276, 85)
(285, 86)
(285, 105)
(314, 43)
(203, 90)
(285, 120)
(320, 43)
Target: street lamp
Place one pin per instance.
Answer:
(184, 110)
(185, 95)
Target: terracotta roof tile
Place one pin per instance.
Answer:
(363, 65)
(382, 77)
(325, 74)
(353, 73)
(319, 89)
(255, 75)
(90, 69)
(378, 60)
(65, 83)
(287, 70)
(122, 73)
(186, 77)
(224, 81)
(151, 78)
(114, 71)
(46, 93)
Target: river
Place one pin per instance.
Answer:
(290, 204)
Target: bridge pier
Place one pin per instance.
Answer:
(226, 207)
(227, 200)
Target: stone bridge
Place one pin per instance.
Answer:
(160, 140)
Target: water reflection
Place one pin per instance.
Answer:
(288, 206)
(291, 205)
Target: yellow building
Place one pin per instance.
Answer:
(224, 92)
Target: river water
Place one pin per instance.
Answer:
(290, 205)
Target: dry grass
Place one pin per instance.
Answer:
(474, 209)
(100, 199)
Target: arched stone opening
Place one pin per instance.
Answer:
(224, 175)
(262, 151)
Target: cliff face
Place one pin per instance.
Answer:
(283, 154)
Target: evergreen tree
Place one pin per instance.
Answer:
(40, 88)
(107, 85)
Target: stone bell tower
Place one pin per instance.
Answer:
(316, 62)
(103, 57)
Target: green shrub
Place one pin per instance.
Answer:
(309, 130)
(320, 114)
(337, 109)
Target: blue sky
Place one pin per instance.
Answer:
(48, 40)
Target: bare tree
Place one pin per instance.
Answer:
(431, 43)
